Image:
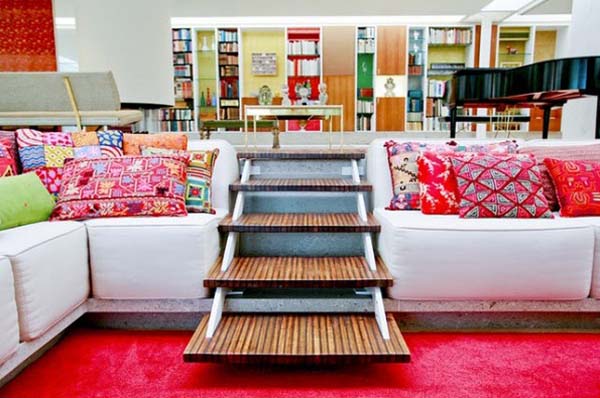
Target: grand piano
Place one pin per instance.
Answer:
(545, 85)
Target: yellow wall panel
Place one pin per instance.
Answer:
(263, 41)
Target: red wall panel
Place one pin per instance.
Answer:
(27, 36)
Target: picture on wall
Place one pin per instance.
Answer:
(264, 64)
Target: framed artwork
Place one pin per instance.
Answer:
(264, 64)
(510, 64)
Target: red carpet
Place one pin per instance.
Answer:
(119, 364)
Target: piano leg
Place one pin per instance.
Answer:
(598, 118)
(546, 125)
(453, 122)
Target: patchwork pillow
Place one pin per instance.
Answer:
(7, 164)
(122, 187)
(9, 140)
(577, 185)
(499, 186)
(45, 153)
(133, 143)
(198, 198)
(402, 159)
(563, 152)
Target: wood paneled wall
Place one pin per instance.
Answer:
(391, 50)
(390, 113)
(341, 91)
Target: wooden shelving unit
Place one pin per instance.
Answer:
(229, 73)
(366, 48)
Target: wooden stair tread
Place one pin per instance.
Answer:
(300, 222)
(303, 154)
(301, 184)
(298, 272)
(297, 339)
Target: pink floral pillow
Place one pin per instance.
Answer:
(499, 186)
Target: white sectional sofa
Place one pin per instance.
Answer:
(46, 268)
(446, 258)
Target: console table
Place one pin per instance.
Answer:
(303, 113)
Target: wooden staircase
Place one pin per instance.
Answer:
(305, 338)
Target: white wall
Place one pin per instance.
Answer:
(579, 116)
(131, 38)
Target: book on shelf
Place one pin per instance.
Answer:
(414, 116)
(229, 113)
(303, 47)
(183, 89)
(462, 36)
(183, 58)
(414, 126)
(182, 46)
(229, 71)
(182, 70)
(228, 35)
(415, 105)
(228, 59)
(364, 122)
(229, 89)
(366, 46)
(447, 65)
(182, 34)
(303, 67)
(415, 70)
(170, 114)
(365, 106)
(228, 47)
(176, 125)
(436, 88)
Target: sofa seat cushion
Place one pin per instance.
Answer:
(595, 223)
(152, 258)
(50, 266)
(9, 323)
(437, 257)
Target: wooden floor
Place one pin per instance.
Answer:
(297, 339)
(300, 222)
(301, 184)
(298, 272)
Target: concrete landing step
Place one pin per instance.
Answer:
(303, 154)
(298, 339)
(298, 272)
(301, 184)
(300, 222)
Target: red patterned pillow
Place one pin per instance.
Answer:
(577, 185)
(437, 184)
(9, 140)
(122, 187)
(7, 164)
(499, 186)
(564, 152)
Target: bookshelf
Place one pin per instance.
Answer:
(229, 73)
(449, 48)
(181, 117)
(416, 59)
(206, 75)
(303, 68)
(366, 45)
(515, 46)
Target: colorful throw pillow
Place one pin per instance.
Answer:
(7, 164)
(402, 159)
(198, 198)
(438, 192)
(9, 141)
(24, 200)
(122, 187)
(499, 186)
(133, 143)
(577, 185)
(45, 153)
(564, 152)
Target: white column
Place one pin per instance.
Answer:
(579, 116)
(485, 47)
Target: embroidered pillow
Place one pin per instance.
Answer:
(9, 140)
(122, 187)
(499, 186)
(133, 143)
(7, 164)
(45, 153)
(577, 185)
(564, 152)
(198, 197)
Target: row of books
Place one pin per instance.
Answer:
(364, 122)
(366, 33)
(229, 89)
(450, 36)
(304, 67)
(183, 70)
(175, 114)
(366, 46)
(225, 59)
(229, 113)
(436, 88)
(182, 46)
(303, 47)
(183, 89)
(415, 104)
(176, 125)
(415, 70)
(183, 58)
(414, 116)
(228, 47)
(414, 126)
(450, 67)
(182, 34)
(229, 70)
(228, 35)
(365, 92)
(365, 106)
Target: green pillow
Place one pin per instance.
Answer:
(23, 200)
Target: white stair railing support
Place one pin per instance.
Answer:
(362, 213)
(380, 316)
(216, 311)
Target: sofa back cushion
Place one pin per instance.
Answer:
(589, 152)
(24, 201)
(122, 187)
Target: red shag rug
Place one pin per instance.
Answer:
(122, 364)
